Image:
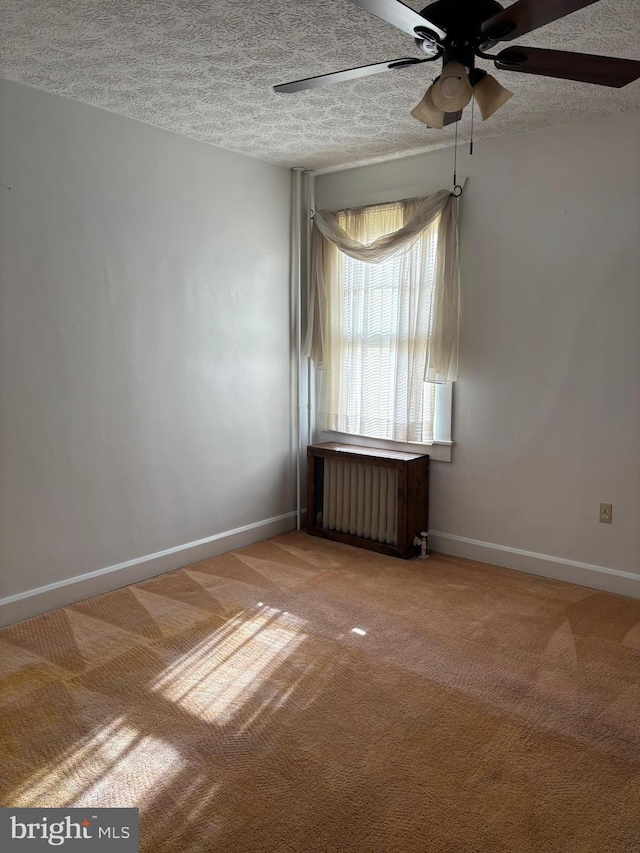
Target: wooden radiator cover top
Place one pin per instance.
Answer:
(412, 492)
(359, 450)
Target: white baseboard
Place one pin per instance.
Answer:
(33, 602)
(583, 574)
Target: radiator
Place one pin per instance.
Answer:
(361, 500)
(372, 498)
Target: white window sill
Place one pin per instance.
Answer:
(440, 451)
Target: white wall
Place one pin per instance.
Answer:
(144, 374)
(547, 406)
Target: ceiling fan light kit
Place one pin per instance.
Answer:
(427, 112)
(452, 91)
(490, 95)
(459, 31)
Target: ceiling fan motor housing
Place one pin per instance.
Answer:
(461, 19)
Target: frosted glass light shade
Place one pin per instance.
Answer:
(452, 91)
(490, 96)
(427, 112)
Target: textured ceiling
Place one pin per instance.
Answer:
(205, 68)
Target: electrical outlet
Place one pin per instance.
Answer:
(605, 513)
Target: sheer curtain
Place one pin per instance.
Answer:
(383, 315)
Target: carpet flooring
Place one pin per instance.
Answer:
(303, 696)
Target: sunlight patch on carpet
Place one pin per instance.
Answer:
(216, 678)
(104, 770)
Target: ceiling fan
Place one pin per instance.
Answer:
(458, 31)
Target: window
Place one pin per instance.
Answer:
(379, 323)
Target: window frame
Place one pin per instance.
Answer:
(440, 449)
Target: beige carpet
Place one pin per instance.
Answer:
(233, 703)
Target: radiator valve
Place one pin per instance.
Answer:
(423, 542)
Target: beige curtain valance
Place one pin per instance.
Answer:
(442, 347)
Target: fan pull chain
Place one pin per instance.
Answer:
(473, 109)
(457, 189)
(455, 156)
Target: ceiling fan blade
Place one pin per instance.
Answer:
(527, 15)
(349, 74)
(403, 17)
(451, 118)
(584, 67)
